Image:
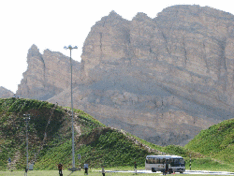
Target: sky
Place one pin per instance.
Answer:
(53, 24)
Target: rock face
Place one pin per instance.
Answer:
(162, 79)
(47, 75)
(5, 93)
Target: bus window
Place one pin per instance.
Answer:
(150, 160)
(176, 161)
(157, 160)
(147, 160)
(161, 160)
(181, 160)
(168, 160)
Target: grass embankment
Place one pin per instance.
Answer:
(103, 146)
(13, 128)
(50, 140)
(199, 160)
(216, 142)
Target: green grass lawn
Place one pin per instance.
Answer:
(77, 173)
(65, 173)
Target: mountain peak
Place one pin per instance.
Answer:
(5, 93)
(33, 51)
(114, 15)
(141, 15)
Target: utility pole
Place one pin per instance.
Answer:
(190, 162)
(73, 147)
(27, 118)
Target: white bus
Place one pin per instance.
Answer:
(171, 163)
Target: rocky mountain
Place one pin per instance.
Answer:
(47, 74)
(162, 79)
(5, 93)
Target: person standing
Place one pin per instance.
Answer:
(103, 171)
(86, 169)
(135, 167)
(26, 170)
(166, 168)
(60, 168)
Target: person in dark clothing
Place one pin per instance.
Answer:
(164, 171)
(135, 167)
(166, 168)
(86, 169)
(26, 170)
(60, 168)
(103, 171)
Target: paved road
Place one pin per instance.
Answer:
(186, 172)
(209, 172)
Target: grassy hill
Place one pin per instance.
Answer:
(50, 140)
(216, 142)
(50, 137)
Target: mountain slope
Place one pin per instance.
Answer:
(50, 137)
(49, 134)
(5, 93)
(162, 79)
(217, 141)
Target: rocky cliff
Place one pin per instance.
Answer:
(162, 79)
(5, 93)
(47, 74)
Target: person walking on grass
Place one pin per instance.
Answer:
(86, 169)
(60, 168)
(135, 167)
(103, 171)
(26, 170)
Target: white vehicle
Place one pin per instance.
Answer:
(171, 163)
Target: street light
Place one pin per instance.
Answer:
(27, 118)
(73, 150)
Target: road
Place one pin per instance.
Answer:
(186, 172)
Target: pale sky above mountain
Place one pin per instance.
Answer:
(52, 24)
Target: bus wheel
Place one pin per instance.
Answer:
(181, 172)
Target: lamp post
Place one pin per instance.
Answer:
(27, 118)
(73, 150)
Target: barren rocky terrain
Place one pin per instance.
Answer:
(162, 79)
(5, 93)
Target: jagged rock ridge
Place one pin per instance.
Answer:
(47, 75)
(162, 79)
(5, 93)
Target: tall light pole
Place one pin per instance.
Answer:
(27, 118)
(73, 149)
